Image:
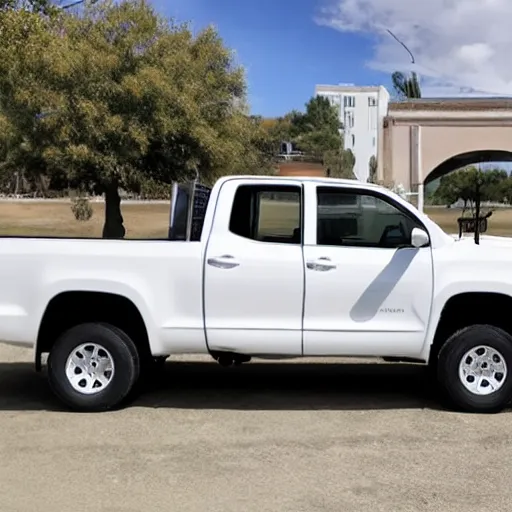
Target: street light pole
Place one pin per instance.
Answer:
(73, 4)
(421, 187)
(414, 81)
(413, 61)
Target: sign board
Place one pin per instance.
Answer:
(468, 225)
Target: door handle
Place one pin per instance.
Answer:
(225, 261)
(322, 264)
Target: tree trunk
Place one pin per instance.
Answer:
(113, 227)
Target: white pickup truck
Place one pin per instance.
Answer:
(265, 267)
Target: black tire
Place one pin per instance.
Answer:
(450, 357)
(126, 367)
(137, 389)
(129, 344)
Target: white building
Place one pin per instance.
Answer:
(361, 111)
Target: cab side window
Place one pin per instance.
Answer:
(268, 213)
(352, 218)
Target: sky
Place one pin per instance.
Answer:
(461, 47)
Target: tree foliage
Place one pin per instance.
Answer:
(320, 115)
(118, 97)
(37, 6)
(340, 163)
(406, 87)
(316, 134)
(471, 184)
(372, 170)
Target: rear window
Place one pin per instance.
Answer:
(269, 214)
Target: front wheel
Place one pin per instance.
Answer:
(475, 369)
(93, 367)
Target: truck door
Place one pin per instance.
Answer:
(254, 272)
(368, 291)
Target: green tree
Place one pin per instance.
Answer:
(372, 170)
(24, 35)
(119, 97)
(46, 7)
(320, 115)
(37, 6)
(317, 143)
(316, 132)
(260, 159)
(277, 131)
(340, 163)
(406, 87)
(506, 190)
(282, 129)
(471, 185)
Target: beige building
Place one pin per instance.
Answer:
(294, 168)
(425, 139)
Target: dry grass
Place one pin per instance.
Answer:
(151, 220)
(56, 219)
(499, 224)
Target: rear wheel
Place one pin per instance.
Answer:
(474, 368)
(93, 367)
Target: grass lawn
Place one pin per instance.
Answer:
(151, 220)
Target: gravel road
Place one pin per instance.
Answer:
(273, 437)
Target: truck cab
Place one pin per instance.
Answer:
(312, 268)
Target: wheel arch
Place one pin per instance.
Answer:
(468, 308)
(69, 308)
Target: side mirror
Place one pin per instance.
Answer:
(419, 238)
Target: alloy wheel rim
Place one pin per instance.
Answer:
(483, 370)
(90, 368)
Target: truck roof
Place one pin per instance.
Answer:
(303, 179)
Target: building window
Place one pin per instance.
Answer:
(349, 101)
(372, 102)
(353, 140)
(373, 142)
(349, 120)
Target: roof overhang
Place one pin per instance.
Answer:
(454, 112)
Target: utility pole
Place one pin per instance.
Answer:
(414, 82)
(477, 210)
(478, 199)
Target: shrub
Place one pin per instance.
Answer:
(81, 208)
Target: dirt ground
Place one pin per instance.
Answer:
(152, 220)
(294, 437)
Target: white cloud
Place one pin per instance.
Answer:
(460, 46)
